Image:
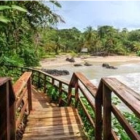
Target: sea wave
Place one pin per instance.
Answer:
(132, 80)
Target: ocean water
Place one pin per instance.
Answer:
(128, 73)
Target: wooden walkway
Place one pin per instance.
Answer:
(49, 122)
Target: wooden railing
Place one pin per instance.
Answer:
(99, 99)
(101, 102)
(43, 80)
(22, 90)
(130, 98)
(14, 101)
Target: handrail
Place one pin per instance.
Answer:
(41, 80)
(128, 97)
(99, 99)
(14, 100)
(22, 90)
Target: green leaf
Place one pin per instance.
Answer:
(4, 19)
(18, 8)
(4, 7)
(56, 3)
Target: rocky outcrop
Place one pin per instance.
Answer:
(106, 65)
(56, 72)
(77, 65)
(87, 64)
(70, 59)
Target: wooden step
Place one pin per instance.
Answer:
(53, 123)
(53, 113)
(48, 129)
(61, 137)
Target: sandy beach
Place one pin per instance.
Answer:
(61, 60)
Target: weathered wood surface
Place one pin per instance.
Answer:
(47, 121)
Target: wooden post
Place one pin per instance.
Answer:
(29, 94)
(12, 114)
(44, 83)
(12, 122)
(60, 93)
(69, 95)
(7, 111)
(33, 77)
(38, 84)
(76, 94)
(106, 113)
(98, 113)
(5, 119)
(52, 81)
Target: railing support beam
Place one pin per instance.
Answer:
(106, 113)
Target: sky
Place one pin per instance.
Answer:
(81, 14)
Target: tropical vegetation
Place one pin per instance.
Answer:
(21, 23)
(27, 33)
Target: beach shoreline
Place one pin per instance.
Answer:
(61, 60)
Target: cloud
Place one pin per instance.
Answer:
(94, 13)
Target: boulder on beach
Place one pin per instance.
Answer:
(87, 64)
(106, 65)
(77, 65)
(56, 72)
(70, 59)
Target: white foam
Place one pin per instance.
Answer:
(131, 79)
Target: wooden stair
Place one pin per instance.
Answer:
(49, 122)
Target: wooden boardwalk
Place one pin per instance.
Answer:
(49, 122)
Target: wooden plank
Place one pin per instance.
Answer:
(114, 136)
(87, 114)
(60, 109)
(68, 137)
(58, 132)
(48, 129)
(88, 85)
(21, 82)
(49, 115)
(18, 102)
(56, 121)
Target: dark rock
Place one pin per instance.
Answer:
(87, 64)
(112, 67)
(77, 65)
(70, 59)
(56, 72)
(67, 59)
(106, 65)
